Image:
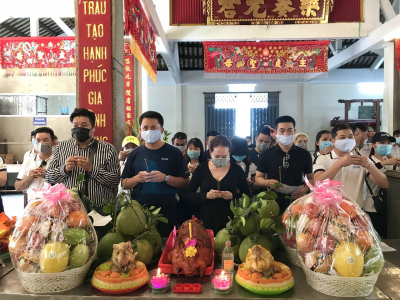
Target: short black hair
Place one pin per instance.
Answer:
(396, 132)
(362, 126)
(220, 140)
(32, 133)
(264, 130)
(212, 133)
(152, 115)
(339, 127)
(285, 119)
(248, 137)
(180, 136)
(83, 112)
(317, 138)
(45, 130)
(239, 146)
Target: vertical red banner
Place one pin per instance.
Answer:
(94, 64)
(128, 88)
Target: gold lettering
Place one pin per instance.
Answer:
(95, 30)
(94, 98)
(91, 4)
(84, 7)
(95, 53)
(101, 138)
(100, 120)
(95, 8)
(94, 75)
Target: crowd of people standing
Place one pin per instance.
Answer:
(188, 178)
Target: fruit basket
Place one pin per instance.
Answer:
(164, 263)
(54, 243)
(337, 246)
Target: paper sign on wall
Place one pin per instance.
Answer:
(39, 121)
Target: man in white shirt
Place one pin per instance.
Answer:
(396, 148)
(31, 175)
(341, 164)
(360, 131)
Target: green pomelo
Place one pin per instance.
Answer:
(266, 223)
(137, 204)
(131, 220)
(250, 226)
(254, 239)
(268, 209)
(144, 250)
(220, 240)
(105, 247)
(79, 256)
(155, 240)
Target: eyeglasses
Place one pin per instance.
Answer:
(285, 163)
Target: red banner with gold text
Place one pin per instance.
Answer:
(95, 67)
(397, 52)
(143, 39)
(128, 88)
(265, 58)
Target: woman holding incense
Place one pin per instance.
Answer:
(220, 182)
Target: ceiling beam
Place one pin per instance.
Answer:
(333, 50)
(34, 26)
(42, 25)
(167, 50)
(375, 39)
(68, 22)
(387, 10)
(63, 26)
(377, 63)
(13, 30)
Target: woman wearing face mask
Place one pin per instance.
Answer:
(323, 144)
(32, 173)
(194, 155)
(381, 148)
(301, 140)
(240, 155)
(218, 180)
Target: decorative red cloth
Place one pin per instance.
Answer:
(397, 51)
(37, 52)
(266, 57)
(142, 36)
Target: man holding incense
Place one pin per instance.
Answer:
(155, 170)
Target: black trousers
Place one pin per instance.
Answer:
(379, 222)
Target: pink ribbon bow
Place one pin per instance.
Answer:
(52, 194)
(326, 191)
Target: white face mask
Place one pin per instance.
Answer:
(151, 136)
(345, 145)
(285, 139)
(182, 148)
(302, 145)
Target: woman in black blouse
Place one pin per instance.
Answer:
(219, 182)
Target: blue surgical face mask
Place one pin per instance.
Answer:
(151, 136)
(33, 141)
(325, 144)
(383, 150)
(345, 145)
(193, 154)
(398, 140)
(285, 139)
(239, 157)
(220, 162)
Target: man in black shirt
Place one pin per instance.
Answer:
(210, 136)
(263, 142)
(285, 163)
(180, 141)
(155, 170)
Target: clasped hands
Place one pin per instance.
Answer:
(214, 194)
(78, 161)
(37, 173)
(153, 176)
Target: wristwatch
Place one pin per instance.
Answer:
(166, 178)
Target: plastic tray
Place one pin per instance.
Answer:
(164, 263)
(187, 288)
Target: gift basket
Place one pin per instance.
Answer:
(337, 246)
(54, 243)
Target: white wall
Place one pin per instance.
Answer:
(312, 105)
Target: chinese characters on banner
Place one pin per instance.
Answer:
(94, 69)
(265, 58)
(234, 12)
(128, 88)
(142, 36)
(55, 53)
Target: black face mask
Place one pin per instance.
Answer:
(81, 134)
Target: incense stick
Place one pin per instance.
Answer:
(145, 161)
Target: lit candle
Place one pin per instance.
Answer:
(160, 280)
(222, 282)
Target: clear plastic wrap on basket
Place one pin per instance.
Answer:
(335, 241)
(55, 236)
